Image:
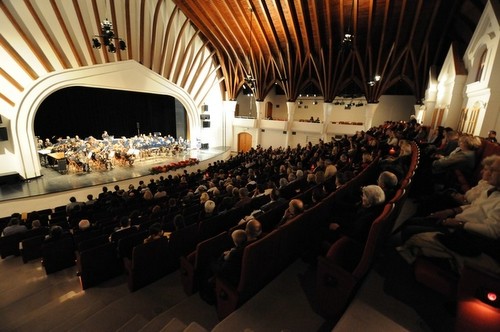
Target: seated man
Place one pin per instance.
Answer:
(155, 232)
(295, 207)
(479, 220)
(124, 230)
(14, 226)
(229, 264)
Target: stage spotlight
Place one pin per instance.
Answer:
(111, 48)
(96, 43)
(107, 35)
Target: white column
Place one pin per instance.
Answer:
(290, 106)
(370, 110)
(229, 109)
(327, 112)
(259, 107)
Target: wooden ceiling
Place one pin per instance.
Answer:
(298, 44)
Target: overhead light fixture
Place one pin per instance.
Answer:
(249, 79)
(348, 36)
(108, 38)
(377, 78)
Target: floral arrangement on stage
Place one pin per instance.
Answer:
(174, 165)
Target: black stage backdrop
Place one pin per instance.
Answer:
(87, 112)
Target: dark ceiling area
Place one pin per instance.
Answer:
(301, 45)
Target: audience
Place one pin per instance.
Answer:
(13, 227)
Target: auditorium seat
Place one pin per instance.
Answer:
(184, 240)
(32, 248)
(347, 262)
(197, 262)
(98, 264)
(259, 266)
(58, 255)
(9, 245)
(150, 262)
(126, 244)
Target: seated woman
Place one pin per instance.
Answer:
(399, 164)
(463, 158)
(450, 198)
(356, 222)
(467, 235)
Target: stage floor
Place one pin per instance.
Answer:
(52, 181)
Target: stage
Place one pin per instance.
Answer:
(53, 182)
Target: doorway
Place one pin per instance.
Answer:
(244, 142)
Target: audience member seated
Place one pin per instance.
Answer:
(451, 198)
(276, 200)
(466, 235)
(155, 232)
(462, 158)
(72, 204)
(356, 222)
(388, 181)
(13, 227)
(208, 210)
(244, 200)
(492, 136)
(399, 164)
(56, 233)
(125, 229)
(295, 207)
(228, 266)
(253, 229)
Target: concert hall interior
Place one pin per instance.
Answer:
(156, 107)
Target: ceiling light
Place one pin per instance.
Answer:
(107, 35)
(377, 78)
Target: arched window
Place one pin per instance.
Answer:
(482, 63)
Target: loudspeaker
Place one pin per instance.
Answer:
(3, 134)
(206, 124)
(204, 146)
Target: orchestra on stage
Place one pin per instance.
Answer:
(73, 154)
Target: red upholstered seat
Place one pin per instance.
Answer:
(347, 262)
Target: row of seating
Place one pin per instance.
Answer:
(264, 259)
(341, 271)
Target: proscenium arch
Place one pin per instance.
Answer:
(124, 75)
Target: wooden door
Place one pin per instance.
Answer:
(269, 110)
(244, 142)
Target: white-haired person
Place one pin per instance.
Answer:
(469, 234)
(208, 210)
(356, 223)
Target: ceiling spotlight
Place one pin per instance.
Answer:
(377, 78)
(96, 43)
(108, 35)
(371, 83)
